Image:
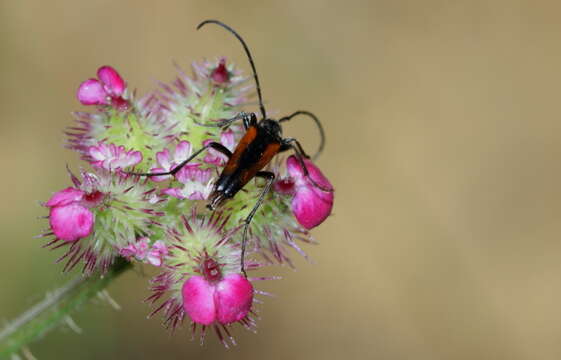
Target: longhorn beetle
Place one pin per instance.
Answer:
(261, 142)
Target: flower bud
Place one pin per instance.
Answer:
(220, 74)
(71, 222)
(310, 205)
(108, 90)
(91, 92)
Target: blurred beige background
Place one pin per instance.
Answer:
(443, 122)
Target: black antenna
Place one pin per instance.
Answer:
(261, 107)
(318, 124)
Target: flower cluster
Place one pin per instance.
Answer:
(119, 209)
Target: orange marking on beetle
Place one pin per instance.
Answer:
(271, 150)
(234, 160)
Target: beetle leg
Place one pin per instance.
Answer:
(214, 145)
(247, 118)
(318, 124)
(270, 177)
(287, 144)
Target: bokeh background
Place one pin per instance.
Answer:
(443, 125)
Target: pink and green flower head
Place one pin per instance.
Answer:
(112, 211)
(101, 214)
(202, 277)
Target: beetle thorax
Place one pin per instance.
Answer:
(272, 127)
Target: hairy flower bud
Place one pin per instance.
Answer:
(101, 215)
(202, 278)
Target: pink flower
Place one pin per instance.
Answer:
(108, 90)
(168, 161)
(225, 301)
(139, 249)
(310, 205)
(201, 278)
(113, 157)
(157, 254)
(70, 220)
(215, 157)
(196, 182)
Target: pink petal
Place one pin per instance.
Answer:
(296, 171)
(193, 172)
(141, 247)
(136, 157)
(198, 300)
(114, 83)
(158, 178)
(127, 159)
(234, 298)
(71, 222)
(98, 153)
(182, 151)
(65, 197)
(91, 92)
(177, 193)
(161, 247)
(157, 253)
(128, 251)
(214, 157)
(196, 195)
(227, 139)
(311, 206)
(113, 157)
(154, 258)
(164, 159)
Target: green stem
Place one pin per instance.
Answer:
(55, 309)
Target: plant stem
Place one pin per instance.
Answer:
(55, 309)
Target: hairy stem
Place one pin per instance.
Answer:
(55, 309)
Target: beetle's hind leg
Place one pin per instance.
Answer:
(216, 146)
(270, 177)
(247, 118)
